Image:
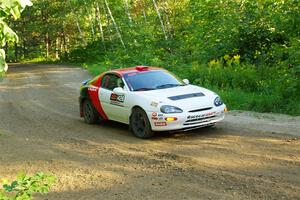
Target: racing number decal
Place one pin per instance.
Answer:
(117, 100)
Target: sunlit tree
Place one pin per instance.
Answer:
(8, 9)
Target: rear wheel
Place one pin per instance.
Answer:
(140, 124)
(89, 112)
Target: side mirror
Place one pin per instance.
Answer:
(186, 81)
(119, 91)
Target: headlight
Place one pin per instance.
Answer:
(218, 101)
(170, 109)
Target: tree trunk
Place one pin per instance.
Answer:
(47, 45)
(78, 25)
(91, 20)
(57, 47)
(114, 22)
(108, 25)
(24, 49)
(92, 27)
(64, 41)
(98, 16)
(141, 6)
(160, 19)
(67, 45)
(16, 52)
(168, 24)
(61, 46)
(6, 48)
(127, 10)
(144, 14)
(80, 32)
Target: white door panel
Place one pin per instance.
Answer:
(114, 105)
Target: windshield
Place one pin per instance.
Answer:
(151, 80)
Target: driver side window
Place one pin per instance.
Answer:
(111, 81)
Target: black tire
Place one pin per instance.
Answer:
(139, 124)
(90, 115)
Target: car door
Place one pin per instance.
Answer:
(113, 104)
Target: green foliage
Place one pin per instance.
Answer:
(25, 186)
(9, 8)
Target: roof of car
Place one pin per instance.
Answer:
(136, 69)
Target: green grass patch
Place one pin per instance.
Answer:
(37, 60)
(274, 103)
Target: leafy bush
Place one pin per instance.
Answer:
(25, 186)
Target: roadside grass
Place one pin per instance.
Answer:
(265, 103)
(37, 60)
(41, 60)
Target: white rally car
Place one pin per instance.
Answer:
(149, 99)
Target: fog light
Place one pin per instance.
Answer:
(170, 119)
(225, 109)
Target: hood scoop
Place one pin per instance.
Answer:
(186, 96)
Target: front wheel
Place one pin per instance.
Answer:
(140, 124)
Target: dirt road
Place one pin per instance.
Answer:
(248, 156)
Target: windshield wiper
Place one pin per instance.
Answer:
(144, 89)
(168, 86)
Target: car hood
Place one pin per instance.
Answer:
(187, 97)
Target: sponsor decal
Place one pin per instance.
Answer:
(92, 89)
(117, 100)
(160, 123)
(154, 104)
(201, 116)
(154, 114)
(156, 117)
(132, 74)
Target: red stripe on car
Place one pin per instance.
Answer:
(93, 94)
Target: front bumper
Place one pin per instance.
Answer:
(186, 120)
